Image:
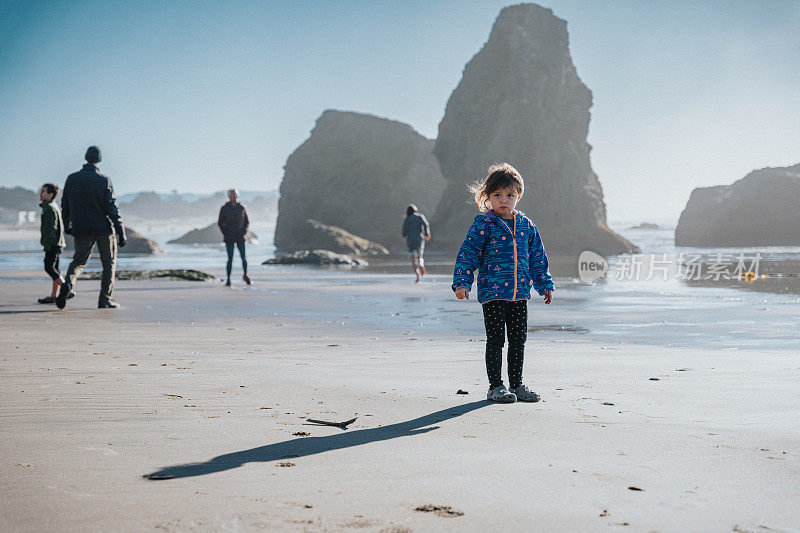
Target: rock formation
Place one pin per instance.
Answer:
(14, 200)
(316, 257)
(521, 101)
(646, 225)
(210, 234)
(139, 244)
(761, 209)
(136, 243)
(173, 274)
(313, 235)
(357, 172)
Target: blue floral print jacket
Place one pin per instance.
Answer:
(508, 255)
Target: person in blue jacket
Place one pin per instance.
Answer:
(504, 247)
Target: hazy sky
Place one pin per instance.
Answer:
(201, 96)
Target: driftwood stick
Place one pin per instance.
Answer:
(342, 425)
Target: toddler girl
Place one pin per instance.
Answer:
(504, 246)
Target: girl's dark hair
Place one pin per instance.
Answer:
(411, 209)
(51, 189)
(501, 176)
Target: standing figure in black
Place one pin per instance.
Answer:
(90, 215)
(416, 230)
(234, 223)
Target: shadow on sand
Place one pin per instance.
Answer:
(27, 311)
(303, 446)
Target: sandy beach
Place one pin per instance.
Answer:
(211, 388)
(635, 161)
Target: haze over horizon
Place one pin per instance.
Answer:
(199, 96)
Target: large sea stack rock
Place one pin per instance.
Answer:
(357, 172)
(521, 101)
(761, 209)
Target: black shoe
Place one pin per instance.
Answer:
(47, 300)
(71, 295)
(228, 283)
(108, 304)
(63, 292)
(247, 280)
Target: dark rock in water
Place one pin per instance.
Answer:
(646, 225)
(316, 257)
(177, 274)
(760, 209)
(314, 235)
(357, 172)
(521, 101)
(136, 243)
(139, 244)
(210, 234)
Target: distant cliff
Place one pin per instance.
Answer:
(16, 199)
(761, 209)
(151, 206)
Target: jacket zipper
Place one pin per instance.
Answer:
(514, 241)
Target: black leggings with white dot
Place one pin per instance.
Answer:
(499, 317)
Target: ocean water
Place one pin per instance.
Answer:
(660, 266)
(26, 254)
(683, 297)
(667, 295)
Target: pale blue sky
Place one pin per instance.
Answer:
(200, 96)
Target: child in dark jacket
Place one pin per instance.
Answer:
(52, 238)
(506, 249)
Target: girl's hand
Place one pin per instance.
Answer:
(462, 293)
(548, 297)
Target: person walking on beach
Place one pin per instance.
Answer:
(234, 223)
(505, 247)
(92, 218)
(416, 230)
(52, 239)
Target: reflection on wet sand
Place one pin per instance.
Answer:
(569, 328)
(777, 276)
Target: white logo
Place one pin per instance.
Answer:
(591, 266)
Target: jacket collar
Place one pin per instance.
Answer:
(90, 166)
(46, 202)
(491, 215)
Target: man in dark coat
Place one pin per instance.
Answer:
(90, 215)
(234, 223)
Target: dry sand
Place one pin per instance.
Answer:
(209, 385)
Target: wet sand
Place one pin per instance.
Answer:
(207, 386)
